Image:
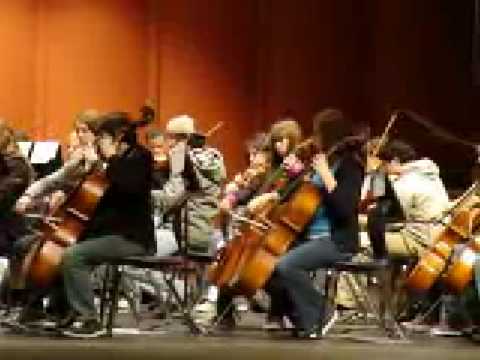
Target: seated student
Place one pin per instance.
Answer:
(272, 152)
(244, 184)
(15, 175)
(40, 199)
(415, 185)
(122, 224)
(196, 171)
(332, 234)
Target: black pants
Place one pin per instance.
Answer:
(385, 210)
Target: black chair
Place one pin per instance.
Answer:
(183, 264)
(383, 312)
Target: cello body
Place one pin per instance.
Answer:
(73, 217)
(248, 260)
(437, 261)
(284, 222)
(459, 272)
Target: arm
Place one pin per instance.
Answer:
(17, 178)
(342, 195)
(54, 181)
(170, 195)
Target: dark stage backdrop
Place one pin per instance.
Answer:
(243, 62)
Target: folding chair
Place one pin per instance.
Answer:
(383, 313)
(183, 264)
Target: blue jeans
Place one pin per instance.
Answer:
(292, 274)
(78, 261)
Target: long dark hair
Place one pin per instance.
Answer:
(117, 123)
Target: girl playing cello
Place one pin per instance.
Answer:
(333, 232)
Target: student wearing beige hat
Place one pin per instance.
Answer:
(199, 170)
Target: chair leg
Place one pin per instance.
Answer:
(330, 291)
(186, 311)
(113, 300)
(131, 295)
(388, 321)
(104, 293)
(363, 304)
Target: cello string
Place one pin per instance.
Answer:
(247, 220)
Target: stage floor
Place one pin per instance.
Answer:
(172, 341)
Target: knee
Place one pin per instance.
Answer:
(71, 259)
(283, 268)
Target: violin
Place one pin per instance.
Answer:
(161, 160)
(245, 179)
(375, 173)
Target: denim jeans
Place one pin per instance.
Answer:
(292, 274)
(78, 262)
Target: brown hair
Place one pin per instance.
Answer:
(398, 150)
(7, 139)
(330, 126)
(286, 128)
(90, 117)
(259, 142)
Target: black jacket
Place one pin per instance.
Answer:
(342, 204)
(15, 175)
(126, 207)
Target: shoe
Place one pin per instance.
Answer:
(85, 329)
(314, 333)
(67, 321)
(227, 323)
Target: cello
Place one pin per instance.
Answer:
(231, 258)
(437, 261)
(71, 220)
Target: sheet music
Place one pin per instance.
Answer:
(24, 147)
(44, 151)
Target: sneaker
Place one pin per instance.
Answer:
(314, 333)
(85, 329)
(67, 321)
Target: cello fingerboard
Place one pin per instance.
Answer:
(78, 214)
